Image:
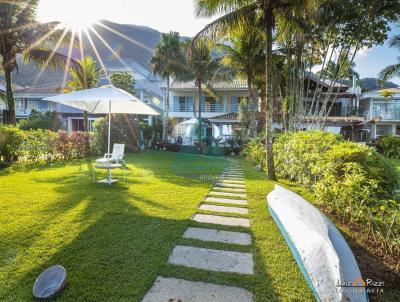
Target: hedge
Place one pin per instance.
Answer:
(18, 145)
(347, 178)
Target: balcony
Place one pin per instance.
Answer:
(207, 107)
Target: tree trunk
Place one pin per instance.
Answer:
(165, 120)
(269, 131)
(253, 106)
(11, 119)
(85, 121)
(200, 144)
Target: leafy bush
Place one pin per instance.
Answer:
(11, 140)
(348, 178)
(254, 152)
(124, 130)
(389, 145)
(37, 120)
(40, 145)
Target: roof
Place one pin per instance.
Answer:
(326, 82)
(44, 89)
(217, 85)
(228, 117)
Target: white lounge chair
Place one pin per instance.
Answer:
(116, 157)
(111, 161)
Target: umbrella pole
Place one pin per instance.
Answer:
(109, 137)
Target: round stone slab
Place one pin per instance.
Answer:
(50, 282)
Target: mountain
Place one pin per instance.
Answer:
(368, 84)
(127, 41)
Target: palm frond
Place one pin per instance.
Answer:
(40, 58)
(389, 72)
(395, 42)
(209, 8)
(231, 20)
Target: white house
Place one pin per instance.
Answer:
(184, 105)
(384, 113)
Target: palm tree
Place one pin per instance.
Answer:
(84, 75)
(238, 12)
(203, 69)
(21, 34)
(243, 54)
(166, 61)
(392, 70)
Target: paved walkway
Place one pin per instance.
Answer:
(227, 193)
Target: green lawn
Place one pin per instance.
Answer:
(114, 241)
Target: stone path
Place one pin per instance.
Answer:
(227, 194)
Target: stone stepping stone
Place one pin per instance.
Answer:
(233, 170)
(241, 195)
(223, 209)
(174, 290)
(228, 185)
(226, 200)
(222, 220)
(232, 173)
(217, 236)
(212, 260)
(231, 179)
(229, 189)
(50, 282)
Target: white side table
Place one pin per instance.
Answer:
(109, 167)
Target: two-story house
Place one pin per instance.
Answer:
(221, 119)
(383, 112)
(183, 106)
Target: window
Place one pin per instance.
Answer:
(182, 104)
(384, 130)
(226, 129)
(397, 129)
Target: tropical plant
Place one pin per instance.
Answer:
(386, 94)
(22, 34)
(38, 120)
(124, 81)
(203, 69)
(166, 61)
(84, 75)
(392, 70)
(241, 13)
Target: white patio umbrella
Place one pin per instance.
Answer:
(104, 100)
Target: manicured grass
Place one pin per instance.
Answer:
(114, 241)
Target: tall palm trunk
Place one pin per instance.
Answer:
(85, 121)
(253, 105)
(269, 94)
(200, 144)
(166, 114)
(10, 117)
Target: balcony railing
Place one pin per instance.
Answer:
(387, 115)
(204, 108)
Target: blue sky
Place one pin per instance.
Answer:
(370, 62)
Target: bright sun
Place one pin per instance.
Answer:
(75, 14)
(78, 23)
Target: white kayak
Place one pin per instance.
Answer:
(323, 255)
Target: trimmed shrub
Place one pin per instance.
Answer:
(11, 141)
(254, 152)
(348, 178)
(17, 145)
(389, 146)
